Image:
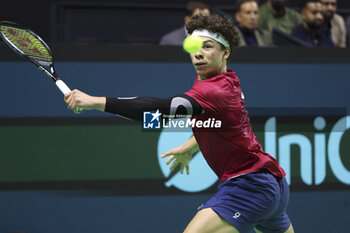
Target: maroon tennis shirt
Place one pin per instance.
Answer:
(232, 149)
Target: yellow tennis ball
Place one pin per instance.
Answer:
(192, 44)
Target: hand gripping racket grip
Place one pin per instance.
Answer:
(65, 89)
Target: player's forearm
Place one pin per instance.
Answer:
(133, 108)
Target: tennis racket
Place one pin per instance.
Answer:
(29, 45)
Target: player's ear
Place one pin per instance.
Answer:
(227, 53)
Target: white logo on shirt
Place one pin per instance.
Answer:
(242, 95)
(237, 214)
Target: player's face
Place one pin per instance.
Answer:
(329, 8)
(211, 59)
(248, 15)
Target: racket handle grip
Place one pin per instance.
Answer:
(65, 89)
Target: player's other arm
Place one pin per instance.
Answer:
(182, 155)
(133, 107)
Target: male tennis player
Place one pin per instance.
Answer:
(253, 192)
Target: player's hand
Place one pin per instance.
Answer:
(181, 156)
(77, 100)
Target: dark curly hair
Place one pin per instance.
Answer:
(215, 23)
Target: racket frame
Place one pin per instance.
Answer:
(52, 73)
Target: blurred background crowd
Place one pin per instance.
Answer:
(308, 23)
(315, 24)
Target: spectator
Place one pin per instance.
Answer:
(274, 14)
(177, 36)
(311, 30)
(247, 17)
(347, 24)
(334, 23)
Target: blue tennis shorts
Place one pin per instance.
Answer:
(255, 200)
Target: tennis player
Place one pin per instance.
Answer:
(253, 193)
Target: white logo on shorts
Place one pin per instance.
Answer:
(237, 214)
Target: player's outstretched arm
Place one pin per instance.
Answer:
(182, 155)
(134, 107)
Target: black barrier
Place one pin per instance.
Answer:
(155, 53)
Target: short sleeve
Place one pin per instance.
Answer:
(214, 97)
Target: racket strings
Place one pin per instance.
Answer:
(42, 62)
(27, 43)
